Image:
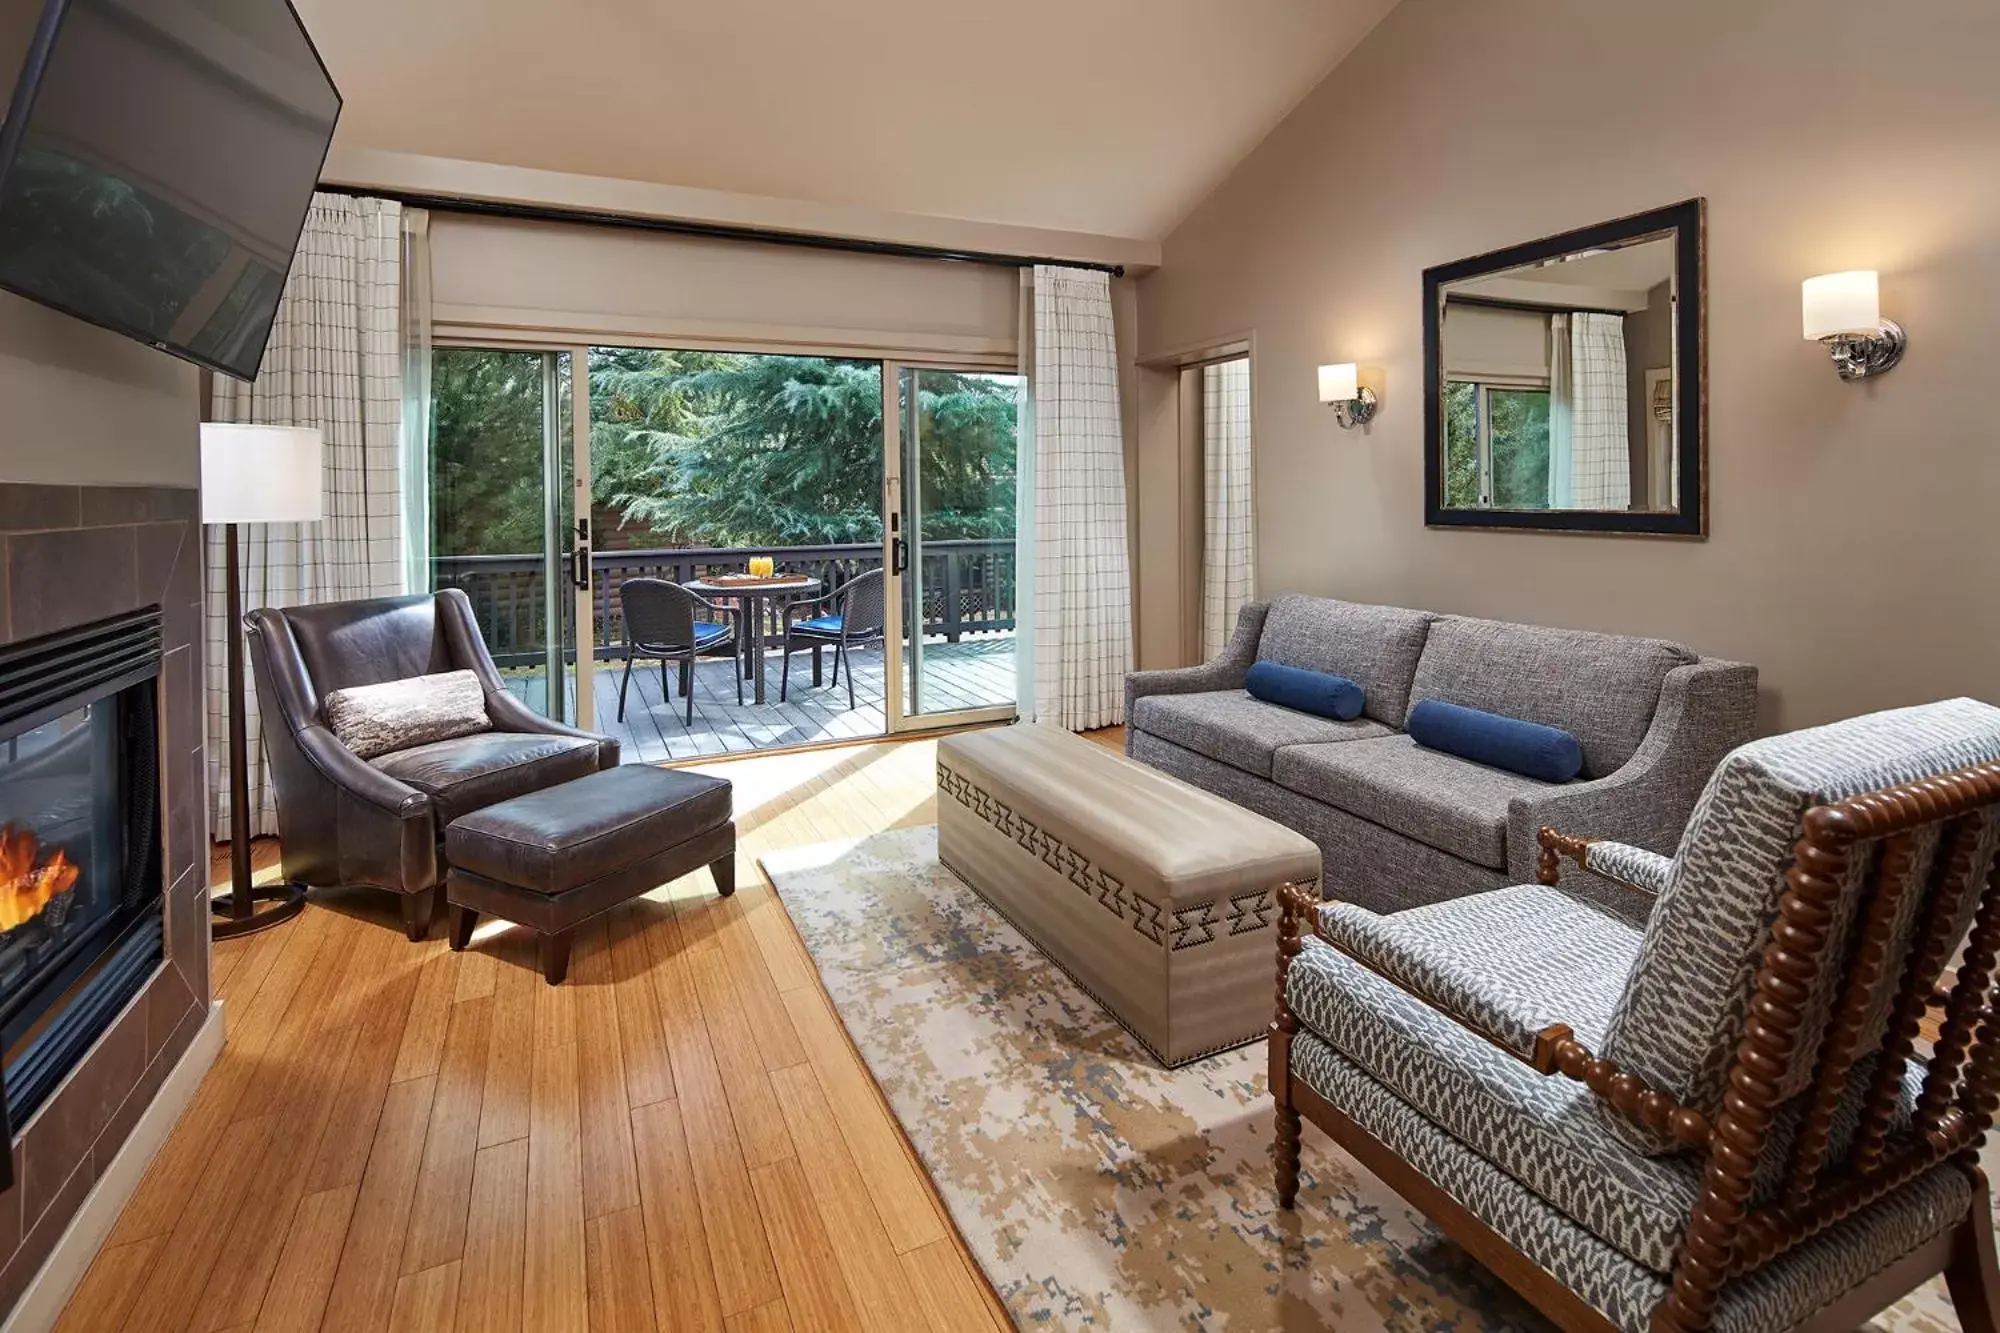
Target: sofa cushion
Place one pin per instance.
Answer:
(1375, 646)
(1317, 692)
(1603, 688)
(1232, 728)
(1446, 802)
(473, 772)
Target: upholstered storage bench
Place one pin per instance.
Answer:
(553, 859)
(1157, 898)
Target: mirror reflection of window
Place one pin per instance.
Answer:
(1548, 382)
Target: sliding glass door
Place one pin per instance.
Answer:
(564, 479)
(503, 480)
(951, 551)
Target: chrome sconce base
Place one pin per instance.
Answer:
(1356, 411)
(1858, 357)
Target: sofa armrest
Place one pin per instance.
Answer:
(347, 772)
(1707, 709)
(1226, 672)
(508, 713)
(469, 652)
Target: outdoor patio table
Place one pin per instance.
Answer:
(753, 597)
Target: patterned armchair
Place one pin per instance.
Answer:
(1699, 1098)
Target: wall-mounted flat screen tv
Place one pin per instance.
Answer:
(156, 165)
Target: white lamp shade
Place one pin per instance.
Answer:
(1842, 305)
(260, 474)
(1339, 384)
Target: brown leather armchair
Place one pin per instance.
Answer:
(381, 822)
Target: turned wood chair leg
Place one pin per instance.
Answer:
(554, 953)
(723, 871)
(463, 920)
(417, 911)
(1973, 1276)
(1285, 1156)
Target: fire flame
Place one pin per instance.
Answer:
(26, 888)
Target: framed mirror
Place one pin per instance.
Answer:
(1565, 387)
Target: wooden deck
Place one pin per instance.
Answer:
(976, 672)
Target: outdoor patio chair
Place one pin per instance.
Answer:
(662, 620)
(1689, 1093)
(849, 617)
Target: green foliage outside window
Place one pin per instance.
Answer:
(1517, 436)
(715, 449)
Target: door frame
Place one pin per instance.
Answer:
(571, 549)
(896, 654)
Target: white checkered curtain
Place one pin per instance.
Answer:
(335, 361)
(1083, 578)
(1229, 534)
(1600, 449)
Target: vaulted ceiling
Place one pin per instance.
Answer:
(1106, 116)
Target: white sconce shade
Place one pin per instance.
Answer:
(1339, 384)
(1842, 305)
(260, 474)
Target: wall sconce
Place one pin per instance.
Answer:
(1340, 388)
(1843, 311)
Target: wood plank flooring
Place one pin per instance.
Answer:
(397, 1137)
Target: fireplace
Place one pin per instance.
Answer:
(81, 888)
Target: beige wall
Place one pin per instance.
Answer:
(1855, 553)
(89, 407)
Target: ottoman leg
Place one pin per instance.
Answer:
(417, 911)
(554, 951)
(724, 873)
(463, 919)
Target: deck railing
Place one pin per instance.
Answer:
(968, 587)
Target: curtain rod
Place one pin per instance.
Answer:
(716, 231)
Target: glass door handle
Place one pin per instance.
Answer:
(899, 556)
(579, 558)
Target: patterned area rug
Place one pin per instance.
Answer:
(1097, 1190)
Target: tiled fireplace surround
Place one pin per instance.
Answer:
(70, 555)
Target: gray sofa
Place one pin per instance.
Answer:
(1400, 826)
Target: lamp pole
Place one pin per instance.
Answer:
(237, 912)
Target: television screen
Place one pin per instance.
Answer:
(156, 165)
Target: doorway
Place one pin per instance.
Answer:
(562, 475)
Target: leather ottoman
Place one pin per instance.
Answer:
(554, 858)
(1158, 899)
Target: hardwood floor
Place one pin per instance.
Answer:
(680, 1137)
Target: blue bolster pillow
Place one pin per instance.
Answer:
(1307, 691)
(1527, 748)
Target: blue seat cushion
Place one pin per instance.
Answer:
(1548, 754)
(705, 634)
(1320, 693)
(820, 625)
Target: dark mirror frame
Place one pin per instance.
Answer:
(1690, 519)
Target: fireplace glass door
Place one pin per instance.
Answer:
(61, 841)
(81, 923)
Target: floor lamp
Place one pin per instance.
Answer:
(252, 474)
